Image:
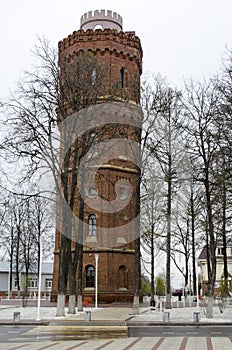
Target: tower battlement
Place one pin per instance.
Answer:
(109, 39)
(101, 19)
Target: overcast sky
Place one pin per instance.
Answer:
(180, 38)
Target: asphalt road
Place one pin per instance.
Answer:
(161, 338)
(16, 333)
(180, 331)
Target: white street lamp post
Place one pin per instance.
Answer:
(96, 278)
(197, 286)
(183, 287)
(8, 281)
(40, 273)
(9, 270)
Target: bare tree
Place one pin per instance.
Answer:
(40, 110)
(25, 217)
(152, 228)
(201, 110)
(151, 184)
(186, 231)
(223, 168)
(163, 143)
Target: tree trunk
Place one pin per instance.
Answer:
(186, 277)
(212, 248)
(80, 267)
(76, 264)
(72, 304)
(64, 259)
(193, 244)
(17, 261)
(60, 311)
(209, 308)
(152, 264)
(137, 277)
(136, 305)
(72, 288)
(63, 275)
(168, 243)
(137, 248)
(80, 302)
(226, 275)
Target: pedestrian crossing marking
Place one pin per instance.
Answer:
(146, 343)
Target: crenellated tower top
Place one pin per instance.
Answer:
(101, 19)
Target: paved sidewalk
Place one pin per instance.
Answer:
(114, 314)
(185, 315)
(48, 314)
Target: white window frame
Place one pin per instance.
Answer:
(32, 282)
(48, 283)
(220, 251)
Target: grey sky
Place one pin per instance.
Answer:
(180, 38)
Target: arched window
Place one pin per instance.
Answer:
(122, 277)
(93, 144)
(98, 26)
(92, 192)
(92, 222)
(122, 77)
(90, 276)
(93, 138)
(94, 76)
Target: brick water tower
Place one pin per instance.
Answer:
(111, 183)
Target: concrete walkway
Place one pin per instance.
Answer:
(117, 314)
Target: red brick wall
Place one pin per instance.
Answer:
(115, 50)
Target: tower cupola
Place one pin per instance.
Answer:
(101, 19)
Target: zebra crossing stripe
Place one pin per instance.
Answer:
(183, 343)
(76, 346)
(132, 344)
(157, 345)
(18, 347)
(209, 343)
(104, 345)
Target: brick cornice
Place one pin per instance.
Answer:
(124, 38)
(102, 41)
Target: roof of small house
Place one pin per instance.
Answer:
(47, 267)
(203, 253)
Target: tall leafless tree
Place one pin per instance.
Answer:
(44, 98)
(25, 219)
(39, 110)
(163, 144)
(201, 111)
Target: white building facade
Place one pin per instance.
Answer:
(28, 285)
(202, 263)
